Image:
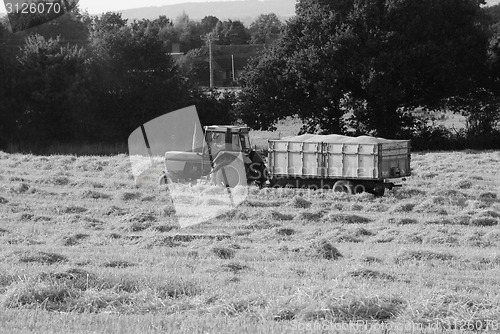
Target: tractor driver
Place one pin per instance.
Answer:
(218, 142)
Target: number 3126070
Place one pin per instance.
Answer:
(33, 8)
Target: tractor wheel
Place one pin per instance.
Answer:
(343, 186)
(227, 174)
(257, 173)
(167, 178)
(163, 180)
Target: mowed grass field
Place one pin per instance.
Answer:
(85, 250)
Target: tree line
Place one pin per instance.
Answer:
(347, 66)
(94, 79)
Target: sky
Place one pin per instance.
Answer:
(99, 6)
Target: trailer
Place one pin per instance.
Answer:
(341, 163)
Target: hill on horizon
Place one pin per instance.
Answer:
(246, 11)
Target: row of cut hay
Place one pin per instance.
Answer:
(77, 290)
(486, 218)
(452, 311)
(363, 312)
(466, 238)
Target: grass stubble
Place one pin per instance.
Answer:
(85, 250)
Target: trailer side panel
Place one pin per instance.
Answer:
(342, 160)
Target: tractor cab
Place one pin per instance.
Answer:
(226, 138)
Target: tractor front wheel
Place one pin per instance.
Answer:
(163, 179)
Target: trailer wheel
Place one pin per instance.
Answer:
(343, 186)
(273, 183)
(327, 186)
(359, 188)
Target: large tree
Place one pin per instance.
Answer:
(265, 28)
(481, 107)
(373, 57)
(208, 23)
(46, 87)
(134, 78)
(231, 32)
(6, 74)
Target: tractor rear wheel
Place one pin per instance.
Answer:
(257, 172)
(227, 176)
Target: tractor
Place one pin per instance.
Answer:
(226, 154)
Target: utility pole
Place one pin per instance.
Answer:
(209, 38)
(232, 67)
